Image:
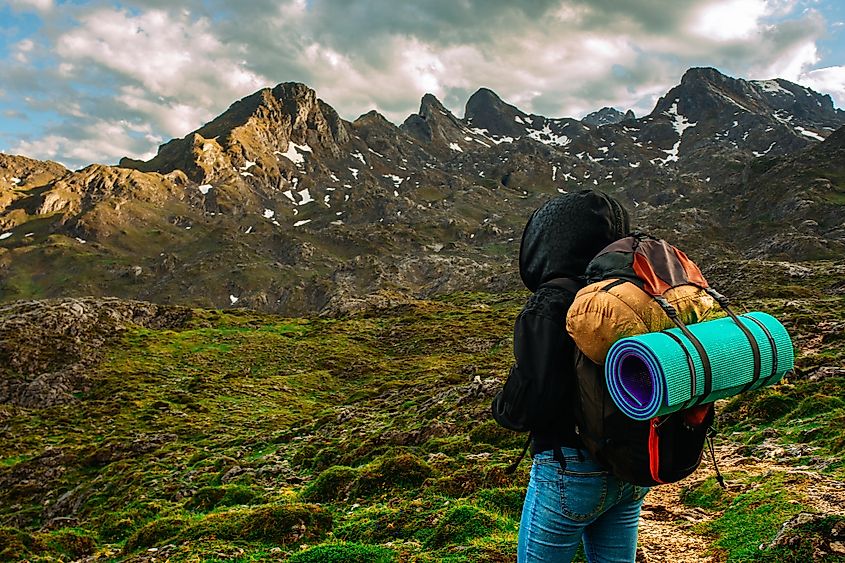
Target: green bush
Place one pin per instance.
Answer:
(705, 494)
(404, 470)
(507, 501)
(489, 432)
(272, 523)
(332, 484)
(468, 479)
(817, 404)
(461, 524)
(208, 498)
(116, 526)
(75, 543)
(15, 545)
(154, 533)
(344, 553)
(380, 524)
(762, 406)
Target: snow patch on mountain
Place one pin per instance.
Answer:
(810, 134)
(546, 136)
(293, 153)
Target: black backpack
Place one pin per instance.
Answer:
(667, 448)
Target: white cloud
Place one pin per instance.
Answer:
(104, 142)
(23, 49)
(169, 54)
(829, 79)
(169, 115)
(37, 5)
(171, 66)
(730, 19)
(789, 64)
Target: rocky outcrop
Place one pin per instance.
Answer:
(823, 535)
(607, 116)
(19, 174)
(47, 346)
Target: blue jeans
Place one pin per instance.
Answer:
(583, 502)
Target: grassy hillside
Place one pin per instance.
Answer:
(243, 437)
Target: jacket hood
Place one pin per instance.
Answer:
(565, 233)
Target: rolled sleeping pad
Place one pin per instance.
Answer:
(649, 375)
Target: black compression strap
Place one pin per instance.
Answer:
(672, 313)
(690, 363)
(755, 348)
(771, 340)
(613, 284)
(705, 360)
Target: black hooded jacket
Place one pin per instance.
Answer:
(559, 240)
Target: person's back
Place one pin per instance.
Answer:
(569, 496)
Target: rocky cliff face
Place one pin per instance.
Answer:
(280, 204)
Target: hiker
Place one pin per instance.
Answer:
(570, 497)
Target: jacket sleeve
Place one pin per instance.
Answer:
(536, 386)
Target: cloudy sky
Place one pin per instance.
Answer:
(85, 81)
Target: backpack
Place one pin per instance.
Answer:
(518, 406)
(648, 285)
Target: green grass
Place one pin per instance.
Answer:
(750, 518)
(248, 437)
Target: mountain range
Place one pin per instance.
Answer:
(279, 204)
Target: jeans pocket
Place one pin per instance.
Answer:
(582, 495)
(545, 470)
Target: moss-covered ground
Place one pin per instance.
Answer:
(246, 437)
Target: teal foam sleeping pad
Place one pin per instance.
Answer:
(649, 375)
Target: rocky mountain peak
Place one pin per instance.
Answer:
(255, 129)
(434, 123)
(486, 110)
(607, 116)
(372, 118)
(707, 90)
(763, 117)
(698, 75)
(430, 104)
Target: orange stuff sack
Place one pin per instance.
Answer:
(608, 310)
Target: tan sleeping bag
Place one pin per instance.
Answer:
(599, 317)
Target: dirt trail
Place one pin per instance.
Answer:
(666, 534)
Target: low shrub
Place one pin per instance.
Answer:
(16, 545)
(344, 553)
(404, 470)
(331, 485)
(490, 432)
(271, 523)
(208, 498)
(507, 501)
(461, 524)
(154, 533)
(74, 543)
